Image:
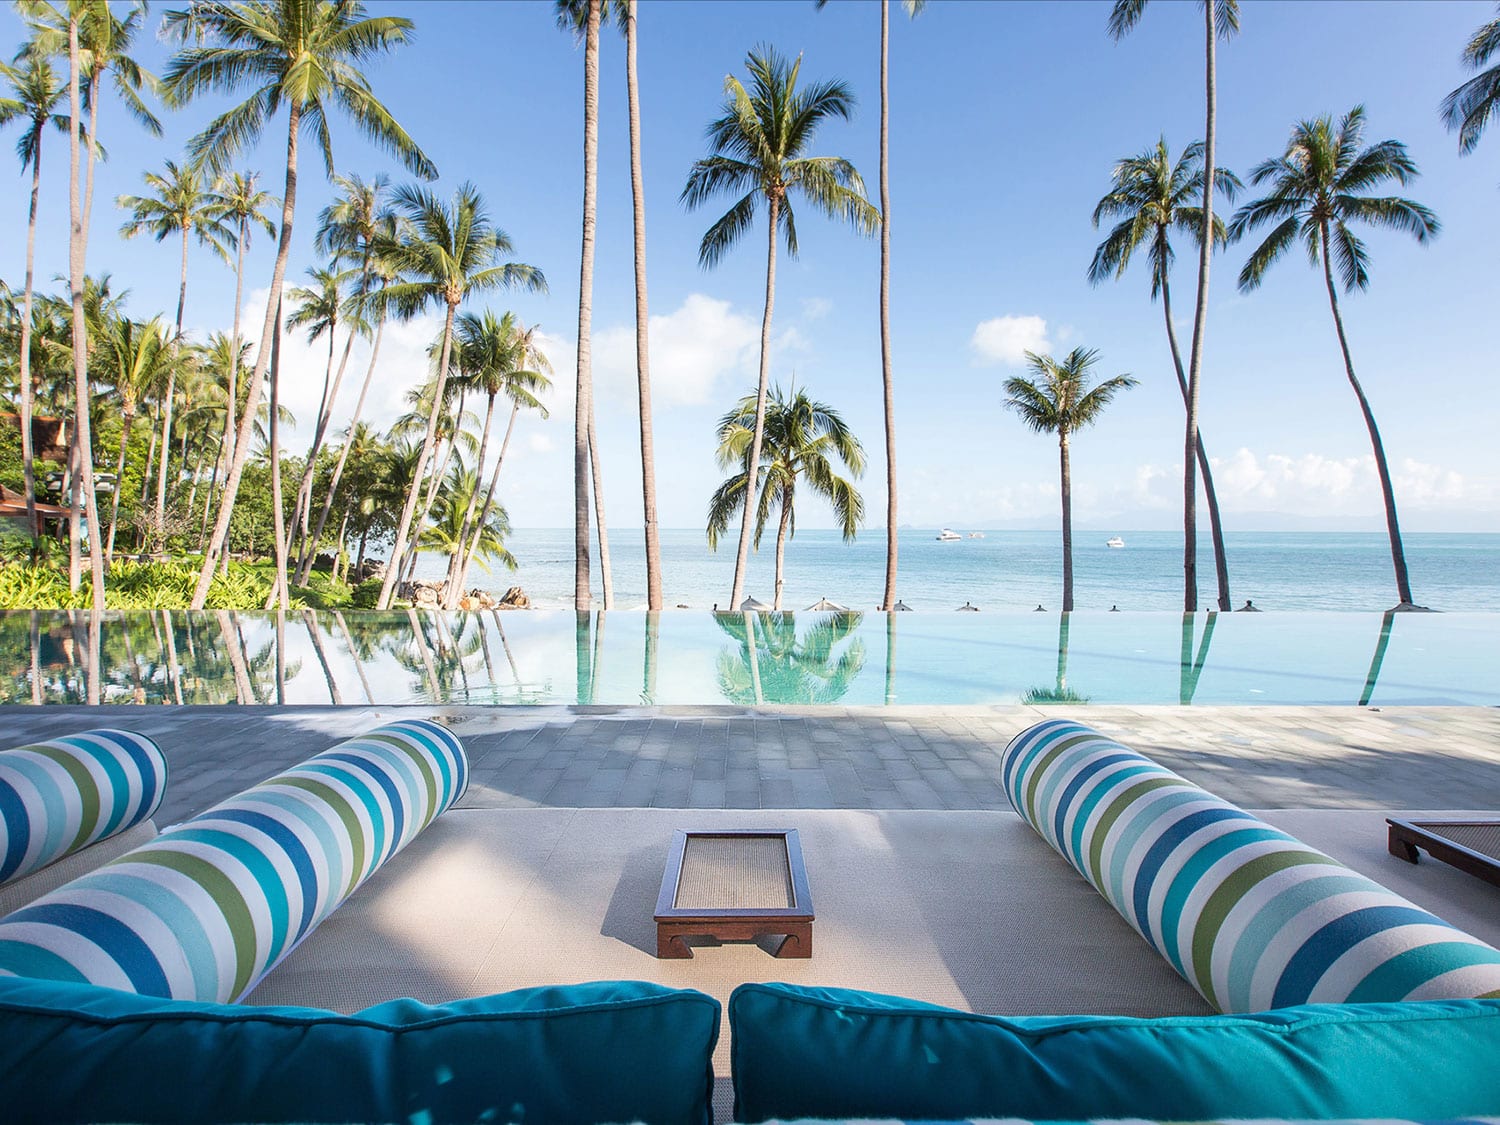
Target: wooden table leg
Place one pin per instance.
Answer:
(1400, 845)
(798, 941)
(669, 943)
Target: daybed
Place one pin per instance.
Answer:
(1246, 913)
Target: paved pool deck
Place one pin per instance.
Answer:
(1430, 758)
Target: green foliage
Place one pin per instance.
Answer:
(23, 586)
(366, 594)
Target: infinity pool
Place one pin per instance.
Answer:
(624, 658)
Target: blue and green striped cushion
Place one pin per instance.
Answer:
(59, 796)
(213, 904)
(1253, 918)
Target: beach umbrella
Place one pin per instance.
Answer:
(901, 607)
(750, 605)
(967, 608)
(823, 605)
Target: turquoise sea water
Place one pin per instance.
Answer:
(1019, 570)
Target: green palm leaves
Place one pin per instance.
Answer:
(182, 202)
(1059, 399)
(1472, 106)
(303, 52)
(1319, 187)
(1152, 196)
(758, 145)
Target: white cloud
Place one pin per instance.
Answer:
(1315, 483)
(401, 365)
(1007, 339)
(816, 308)
(693, 350)
(540, 443)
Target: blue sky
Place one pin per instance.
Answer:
(1006, 120)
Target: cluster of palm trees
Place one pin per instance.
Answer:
(390, 252)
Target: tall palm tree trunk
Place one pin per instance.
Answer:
(208, 494)
(752, 463)
(1393, 528)
(781, 530)
(1067, 521)
(82, 434)
(489, 501)
(338, 469)
(456, 560)
(642, 320)
(887, 381)
(597, 471)
(166, 421)
(409, 510)
(227, 452)
(414, 546)
(247, 421)
(28, 454)
(1200, 322)
(583, 400)
(278, 597)
(128, 416)
(1216, 527)
(302, 514)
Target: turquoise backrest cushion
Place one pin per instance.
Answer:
(1252, 917)
(824, 1052)
(211, 905)
(67, 793)
(611, 1051)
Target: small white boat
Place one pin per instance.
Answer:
(948, 535)
(976, 535)
(1114, 541)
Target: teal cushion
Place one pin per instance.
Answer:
(211, 905)
(59, 796)
(814, 1052)
(1252, 917)
(614, 1051)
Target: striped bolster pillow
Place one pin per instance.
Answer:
(211, 905)
(1252, 917)
(59, 796)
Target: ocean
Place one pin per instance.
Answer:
(1009, 571)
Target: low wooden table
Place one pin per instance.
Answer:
(1472, 846)
(735, 886)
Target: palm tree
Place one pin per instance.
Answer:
(913, 9)
(1151, 195)
(181, 204)
(518, 387)
(1469, 108)
(491, 356)
(138, 355)
(642, 355)
(319, 309)
(582, 18)
(349, 230)
(802, 439)
(1319, 186)
(38, 93)
(96, 42)
(239, 207)
(1221, 18)
(1059, 400)
(306, 54)
(446, 252)
(758, 148)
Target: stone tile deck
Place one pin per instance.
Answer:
(831, 757)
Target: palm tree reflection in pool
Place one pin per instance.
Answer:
(1061, 693)
(772, 665)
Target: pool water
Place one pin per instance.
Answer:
(629, 658)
